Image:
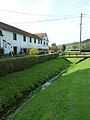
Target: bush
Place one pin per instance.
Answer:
(16, 64)
(33, 52)
(42, 52)
(1, 52)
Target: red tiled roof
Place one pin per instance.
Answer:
(17, 30)
(41, 34)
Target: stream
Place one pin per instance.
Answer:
(16, 108)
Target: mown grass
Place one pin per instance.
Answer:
(75, 60)
(68, 98)
(13, 85)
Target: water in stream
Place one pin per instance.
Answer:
(33, 93)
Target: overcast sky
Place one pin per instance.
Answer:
(33, 16)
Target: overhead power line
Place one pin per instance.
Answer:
(86, 17)
(49, 20)
(28, 13)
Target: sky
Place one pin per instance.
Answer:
(60, 19)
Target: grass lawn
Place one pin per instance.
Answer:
(74, 60)
(68, 98)
(13, 85)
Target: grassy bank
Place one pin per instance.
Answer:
(75, 60)
(68, 98)
(14, 85)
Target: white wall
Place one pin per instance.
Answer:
(19, 43)
(0, 41)
(45, 39)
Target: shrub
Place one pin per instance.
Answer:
(42, 52)
(16, 64)
(1, 51)
(33, 52)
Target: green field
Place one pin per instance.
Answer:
(14, 85)
(75, 60)
(68, 98)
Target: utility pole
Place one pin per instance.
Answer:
(80, 33)
(80, 47)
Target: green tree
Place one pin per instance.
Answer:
(83, 47)
(53, 47)
(63, 48)
(87, 46)
(74, 47)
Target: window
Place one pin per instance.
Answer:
(38, 41)
(47, 43)
(14, 36)
(41, 41)
(34, 40)
(24, 38)
(1, 33)
(30, 39)
(44, 43)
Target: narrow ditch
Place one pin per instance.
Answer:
(82, 60)
(17, 105)
(31, 96)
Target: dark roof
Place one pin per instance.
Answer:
(17, 30)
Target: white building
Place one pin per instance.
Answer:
(44, 38)
(14, 39)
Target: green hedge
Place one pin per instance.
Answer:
(17, 64)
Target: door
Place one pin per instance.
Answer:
(15, 50)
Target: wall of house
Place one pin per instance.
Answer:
(0, 40)
(19, 43)
(45, 41)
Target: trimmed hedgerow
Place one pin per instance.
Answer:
(17, 64)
